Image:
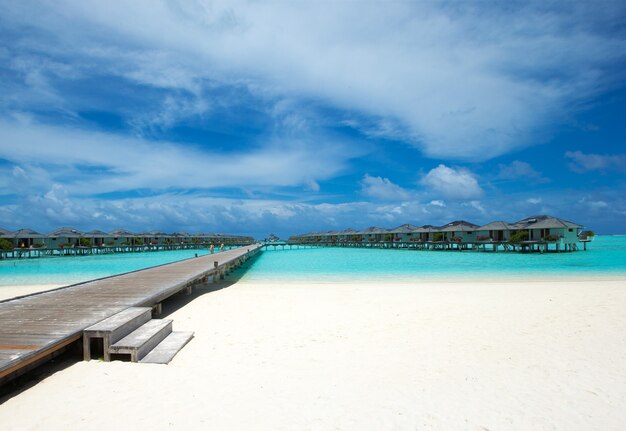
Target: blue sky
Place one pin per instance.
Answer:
(286, 117)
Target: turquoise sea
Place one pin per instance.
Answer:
(606, 256)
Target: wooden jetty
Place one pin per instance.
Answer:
(35, 328)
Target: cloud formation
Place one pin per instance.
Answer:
(469, 82)
(383, 189)
(452, 183)
(91, 162)
(581, 162)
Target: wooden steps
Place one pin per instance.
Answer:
(133, 332)
(114, 328)
(168, 348)
(138, 343)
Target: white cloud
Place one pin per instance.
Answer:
(195, 212)
(594, 204)
(451, 78)
(581, 162)
(452, 183)
(383, 189)
(437, 203)
(94, 162)
(534, 201)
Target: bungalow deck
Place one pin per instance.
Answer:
(34, 328)
(488, 246)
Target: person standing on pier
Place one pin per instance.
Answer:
(211, 249)
(222, 247)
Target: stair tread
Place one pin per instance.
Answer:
(141, 335)
(117, 320)
(168, 348)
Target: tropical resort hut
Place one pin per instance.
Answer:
(405, 233)
(331, 236)
(198, 238)
(496, 231)
(374, 234)
(545, 228)
(427, 233)
(98, 238)
(27, 238)
(346, 235)
(309, 237)
(215, 238)
(63, 237)
(154, 237)
(122, 237)
(459, 231)
(5, 233)
(181, 237)
(205, 238)
(305, 237)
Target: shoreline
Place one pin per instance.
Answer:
(15, 290)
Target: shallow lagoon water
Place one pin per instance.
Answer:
(75, 269)
(606, 256)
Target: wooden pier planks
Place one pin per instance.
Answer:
(34, 326)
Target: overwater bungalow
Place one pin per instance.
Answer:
(535, 233)
(5, 233)
(427, 233)
(28, 238)
(374, 234)
(459, 231)
(544, 228)
(181, 238)
(347, 235)
(64, 237)
(98, 238)
(405, 233)
(496, 231)
(122, 237)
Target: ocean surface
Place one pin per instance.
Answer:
(605, 257)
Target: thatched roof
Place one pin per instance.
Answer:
(405, 228)
(121, 232)
(27, 233)
(427, 228)
(458, 226)
(495, 225)
(65, 232)
(544, 222)
(156, 233)
(5, 233)
(373, 230)
(96, 234)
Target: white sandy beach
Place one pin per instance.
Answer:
(367, 356)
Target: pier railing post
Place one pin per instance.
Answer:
(215, 272)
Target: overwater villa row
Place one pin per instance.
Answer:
(69, 241)
(538, 233)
